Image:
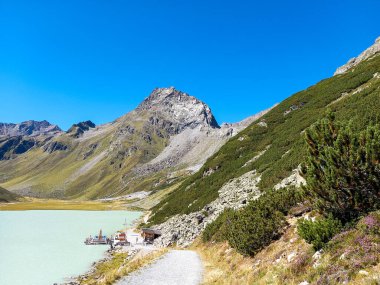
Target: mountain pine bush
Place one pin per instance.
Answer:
(257, 225)
(342, 168)
(318, 232)
(216, 231)
(251, 228)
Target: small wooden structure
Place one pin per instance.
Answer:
(149, 235)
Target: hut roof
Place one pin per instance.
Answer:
(151, 231)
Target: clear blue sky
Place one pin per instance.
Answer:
(67, 61)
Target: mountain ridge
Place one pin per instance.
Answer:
(370, 51)
(141, 150)
(29, 128)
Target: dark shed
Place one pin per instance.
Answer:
(150, 235)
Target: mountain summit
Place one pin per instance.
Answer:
(180, 107)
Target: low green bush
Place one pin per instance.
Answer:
(251, 228)
(216, 231)
(320, 231)
(254, 228)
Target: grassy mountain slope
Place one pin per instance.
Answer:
(6, 196)
(353, 95)
(92, 166)
(168, 136)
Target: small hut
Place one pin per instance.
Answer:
(149, 235)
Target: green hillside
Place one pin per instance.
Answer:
(353, 95)
(6, 196)
(139, 151)
(69, 167)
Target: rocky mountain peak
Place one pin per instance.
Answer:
(159, 94)
(78, 129)
(375, 48)
(28, 128)
(178, 107)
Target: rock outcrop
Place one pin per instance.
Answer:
(375, 48)
(54, 146)
(10, 147)
(294, 179)
(178, 108)
(77, 130)
(183, 229)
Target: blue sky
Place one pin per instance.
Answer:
(69, 61)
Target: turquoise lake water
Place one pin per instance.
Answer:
(46, 247)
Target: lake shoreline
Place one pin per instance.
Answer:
(76, 280)
(110, 254)
(53, 204)
(53, 249)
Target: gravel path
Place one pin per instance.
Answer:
(182, 267)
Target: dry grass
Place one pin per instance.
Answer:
(373, 277)
(290, 260)
(223, 265)
(52, 204)
(106, 273)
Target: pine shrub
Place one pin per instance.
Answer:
(318, 232)
(254, 228)
(342, 169)
(217, 230)
(251, 228)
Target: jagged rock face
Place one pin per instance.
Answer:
(16, 139)
(28, 128)
(54, 146)
(178, 110)
(11, 147)
(375, 48)
(77, 130)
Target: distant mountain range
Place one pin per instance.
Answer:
(168, 136)
(28, 128)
